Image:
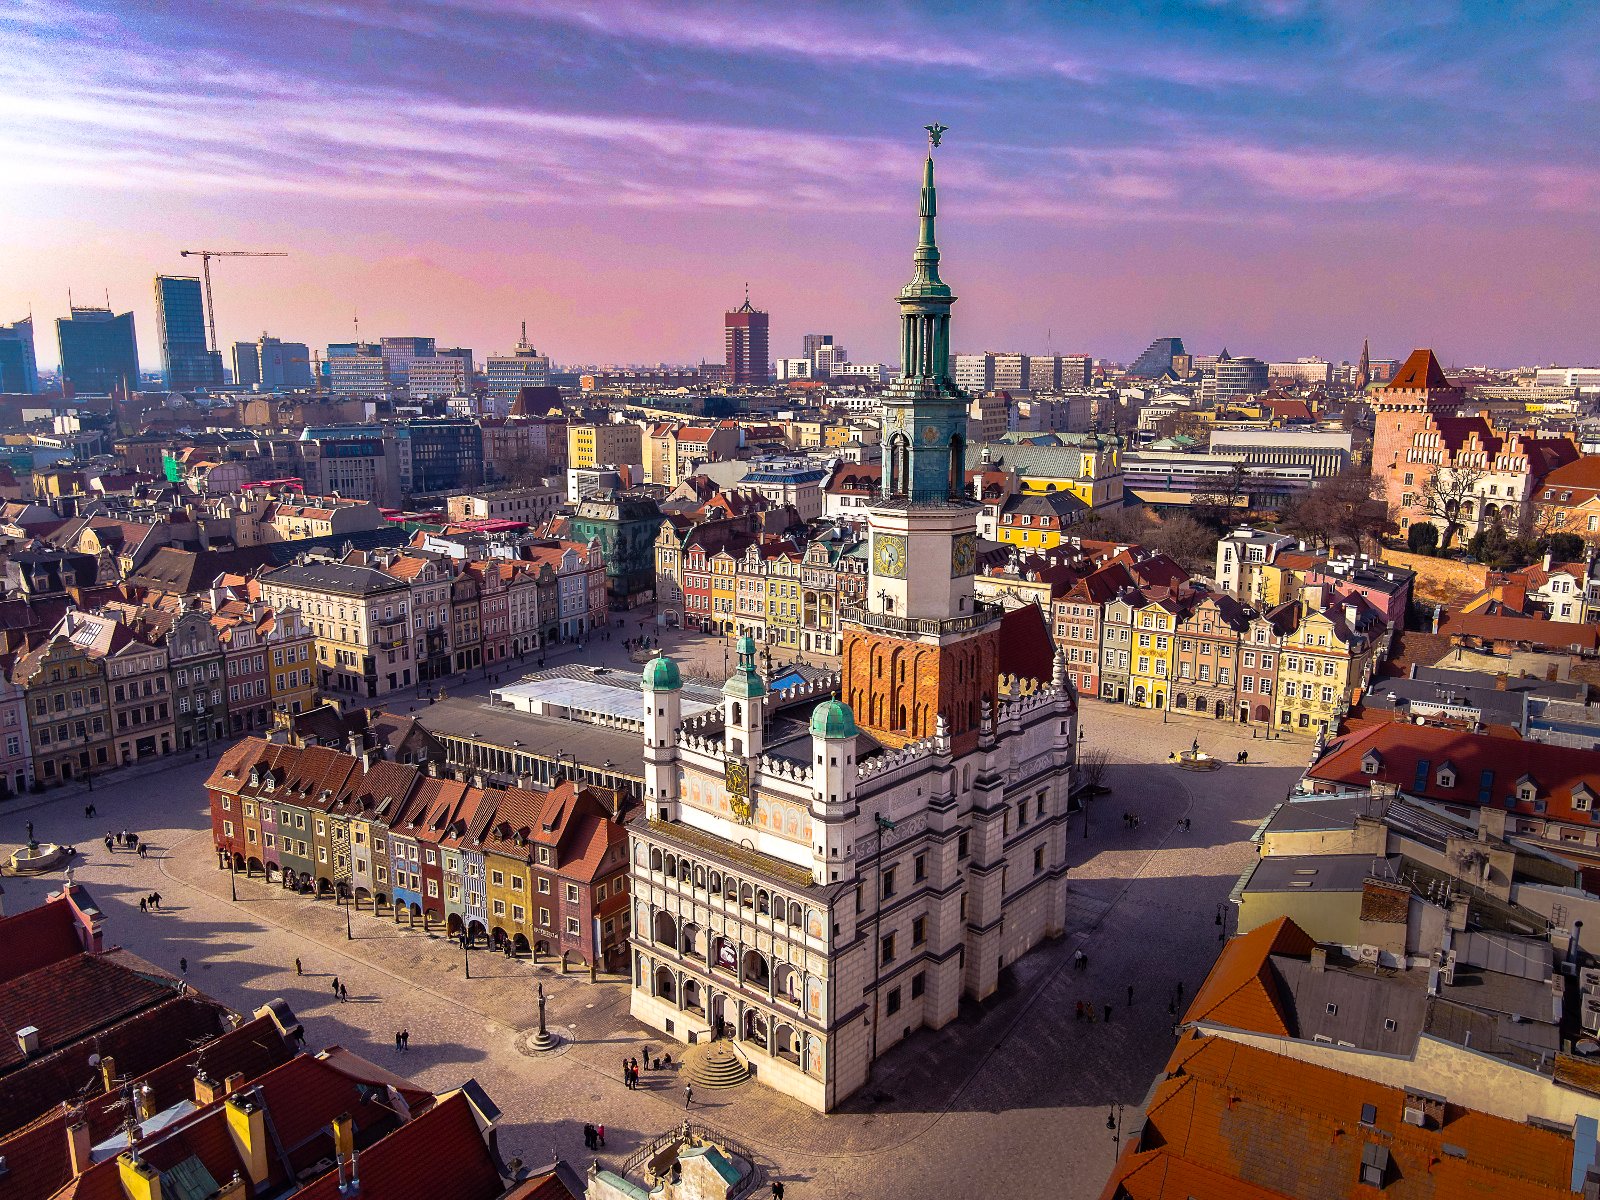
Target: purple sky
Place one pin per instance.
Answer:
(1278, 177)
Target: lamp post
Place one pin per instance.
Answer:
(1083, 733)
(233, 890)
(466, 959)
(349, 935)
(1114, 1124)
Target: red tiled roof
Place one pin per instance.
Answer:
(37, 937)
(1421, 370)
(439, 1156)
(1581, 473)
(1476, 760)
(71, 998)
(1233, 1121)
(1026, 648)
(1241, 990)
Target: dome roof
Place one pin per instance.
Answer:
(833, 719)
(745, 645)
(661, 674)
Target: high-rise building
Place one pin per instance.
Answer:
(398, 354)
(1156, 361)
(814, 342)
(745, 337)
(246, 364)
(974, 372)
(1011, 372)
(187, 361)
(99, 354)
(443, 375)
(507, 375)
(283, 364)
(19, 369)
(357, 369)
(1231, 378)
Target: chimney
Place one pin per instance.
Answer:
(108, 1072)
(344, 1152)
(1549, 557)
(233, 1083)
(1319, 959)
(28, 1040)
(1438, 612)
(1552, 673)
(140, 1181)
(206, 1090)
(247, 1125)
(78, 1147)
(232, 1190)
(1502, 681)
(145, 1101)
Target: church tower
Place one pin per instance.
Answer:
(921, 645)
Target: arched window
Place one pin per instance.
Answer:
(958, 466)
(899, 465)
(655, 860)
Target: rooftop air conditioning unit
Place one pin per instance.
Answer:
(1415, 1116)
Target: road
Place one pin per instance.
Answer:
(1011, 1094)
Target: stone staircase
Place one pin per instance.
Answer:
(717, 1064)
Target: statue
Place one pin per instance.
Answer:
(542, 1001)
(542, 1040)
(1194, 748)
(935, 132)
(31, 842)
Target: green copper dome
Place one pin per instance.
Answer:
(745, 645)
(661, 674)
(833, 719)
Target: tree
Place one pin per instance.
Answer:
(1218, 507)
(1091, 771)
(1130, 523)
(1342, 508)
(1422, 538)
(1184, 423)
(1563, 547)
(1185, 540)
(1444, 492)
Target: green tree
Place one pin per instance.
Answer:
(1423, 538)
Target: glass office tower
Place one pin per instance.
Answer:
(181, 316)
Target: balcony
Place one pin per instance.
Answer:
(985, 614)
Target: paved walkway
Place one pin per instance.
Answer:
(1012, 1096)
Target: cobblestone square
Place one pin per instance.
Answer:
(1012, 1095)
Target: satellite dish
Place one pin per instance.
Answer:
(94, 1060)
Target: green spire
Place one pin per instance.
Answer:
(926, 281)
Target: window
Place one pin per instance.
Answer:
(572, 893)
(919, 931)
(544, 886)
(499, 908)
(919, 984)
(919, 868)
(518, 883)
(573, 928)
(888, 883)
(961, 846)
(498, 878)
(518, 914)
(544, 918)
(886, 949)
(892, 1005)
(1038, 860)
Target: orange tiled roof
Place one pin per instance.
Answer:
(1241, 991)
(1421, 370)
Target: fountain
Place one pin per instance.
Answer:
(1196, 759)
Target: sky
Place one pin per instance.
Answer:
(1279, 177)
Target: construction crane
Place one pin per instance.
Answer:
(205, 269)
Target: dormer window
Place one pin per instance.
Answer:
(255, 777)
(1526, 790)
(1372, 763)
(1446, 776)
(1583, 798)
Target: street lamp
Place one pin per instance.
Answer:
(233, 890)
(348, 935)
(1114, 1124)
(466, 959)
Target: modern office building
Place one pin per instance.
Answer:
(444, 375)
(1232, 378)
(1157, 358)
(186, 359)
(745, 340)
(509, 374)
(19, 369)
(246, 364)
(399, 353)
(357, 369)
(439, 454)
(99, 354)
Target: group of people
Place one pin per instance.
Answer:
(402, 1037)
(594, 1136)
(630, 1067)
(340, 992)
(128, 841)
(150, 903)
(1130, 820)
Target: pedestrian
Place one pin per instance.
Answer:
(298, 969)
(1180, 991)
(635, 1065)
(144, 904)
(600, 1132)
(183, 966)
(87, 813)
(405, 1039)
(397, 1044)
(155, 898)
(1108, 1014)
(588, 1136)
(627, 1075)
(688, 1096)
(1186, 824)
(1130, 995)
(777, 1189)
(93, 811)
(141, 849)
(108, 842)
(335, 985)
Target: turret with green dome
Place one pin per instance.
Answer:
(661, 674)
(833, 719)
(745, 683)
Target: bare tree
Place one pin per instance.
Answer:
(1220, 505)
(1444, 492)
(1091, 770)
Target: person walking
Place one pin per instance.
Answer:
(108, 842)
(335, 986)
(1078, 1015)
(298, 970)
(600, 1132)
(155, 898)
(627, 1075)
(343, 994)
(142, 849)
(688, 1096)
(777, 1189)
(144, 904)
(405, 1040)
(588, 1136)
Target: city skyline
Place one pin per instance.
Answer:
(1271, 176)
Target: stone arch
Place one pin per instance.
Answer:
(958, 466)
(715, 879)
(794, 912)
(786, 1043)
(754, 969)
(763, 902)
(747, 896)
(786, 982)
(519, 944)
(669, 866)
(699, 876)
(666, 984)
(689, 938)
(655, 859)
(664, 929)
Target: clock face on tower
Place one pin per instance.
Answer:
(964, 554)
(930, 434)
(889, 555)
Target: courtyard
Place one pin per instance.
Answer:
(1013, 1096)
